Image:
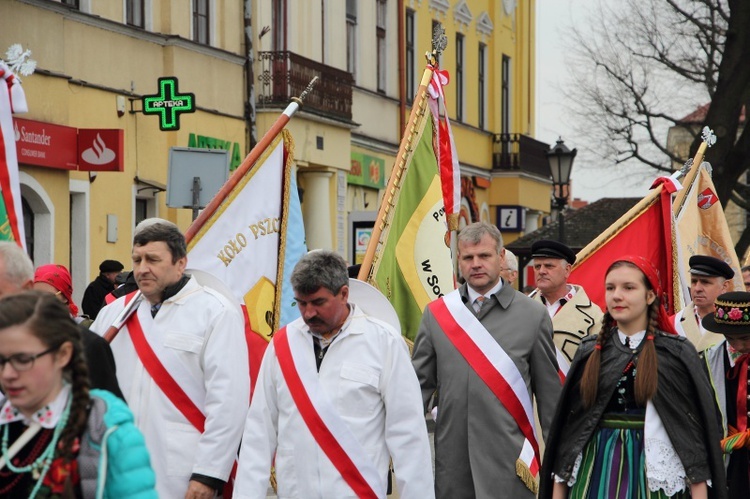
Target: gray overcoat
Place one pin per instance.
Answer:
(477, 441)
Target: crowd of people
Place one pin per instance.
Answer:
(148, 393)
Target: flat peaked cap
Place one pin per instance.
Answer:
(110, 266)
(710, 266)
(546, 248)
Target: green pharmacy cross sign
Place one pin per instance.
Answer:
(169, 104)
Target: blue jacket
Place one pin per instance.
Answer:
(113, 461)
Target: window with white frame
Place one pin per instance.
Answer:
(505, 96)
(201, 21)
(482, 90)
(134, 13)
(351, 37)
(381, 15)
(459, 77)
(410, 49)
(278, 32)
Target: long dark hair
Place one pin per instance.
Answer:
(647, 374)
(49, 319)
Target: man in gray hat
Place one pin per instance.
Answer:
(574, 316)
(709, 277)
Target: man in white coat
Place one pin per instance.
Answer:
(182, 365)
(336, 399)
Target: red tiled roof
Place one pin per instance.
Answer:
(699, 115)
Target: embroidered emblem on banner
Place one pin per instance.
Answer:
(707, 199)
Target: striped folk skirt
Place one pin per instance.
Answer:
(613, 464)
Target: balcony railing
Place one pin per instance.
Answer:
(284, 75)
(515, 151)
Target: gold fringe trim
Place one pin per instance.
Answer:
(272, 480)
(453, 221)
(524, 473)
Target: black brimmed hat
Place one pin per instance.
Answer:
(546, 248)
(732, 316)
(710, 266)
(110, 266)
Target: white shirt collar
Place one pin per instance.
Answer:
(635, 339)
(47, 416)
(473, 295)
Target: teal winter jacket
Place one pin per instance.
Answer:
(113, 461)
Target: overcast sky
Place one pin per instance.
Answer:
(591, 179)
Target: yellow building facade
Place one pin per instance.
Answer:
(97, 59)
(490, 56)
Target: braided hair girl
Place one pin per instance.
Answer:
(636, 418)
(45, 418)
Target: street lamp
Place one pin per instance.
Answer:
(560, 165)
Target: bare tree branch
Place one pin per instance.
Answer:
(641, 67)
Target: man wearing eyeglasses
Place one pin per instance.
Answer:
(574, 316)
(17, 275)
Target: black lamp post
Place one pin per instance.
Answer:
(560, 164)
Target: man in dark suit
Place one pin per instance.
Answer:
(485, 446)
(104, 284)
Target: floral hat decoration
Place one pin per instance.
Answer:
(732, 316)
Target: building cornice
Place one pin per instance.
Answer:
(138, 33)
(374, 145)
(302, 113)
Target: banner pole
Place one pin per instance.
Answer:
(249, 161)
(214, 204)
(709, 139)
(405, 151)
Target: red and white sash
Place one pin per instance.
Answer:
(165, 368)
(330, 431)
(562, 364)
(493, 365)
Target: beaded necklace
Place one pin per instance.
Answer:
(41, 465)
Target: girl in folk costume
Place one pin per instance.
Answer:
(58, 438)
(637, 418)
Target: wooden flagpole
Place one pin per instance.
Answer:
(709, 139)
(214, 204)
(248, 162)
(403, 157)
